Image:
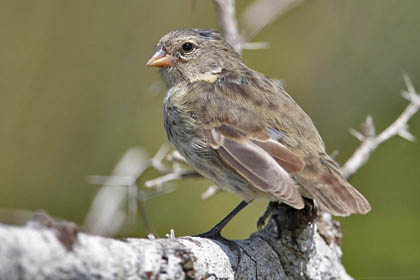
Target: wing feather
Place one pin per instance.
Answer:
(287, 159)
(258, 167)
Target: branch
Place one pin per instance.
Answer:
(258, 15)
(227, 23)
(177, 174)
(296, 252)
(107, 213)
(370, 141)
(263, 12)
(210, 192)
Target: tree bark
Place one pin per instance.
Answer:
(292, 246)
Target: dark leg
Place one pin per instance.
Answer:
(215, 231)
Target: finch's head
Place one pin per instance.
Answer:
(193, 54)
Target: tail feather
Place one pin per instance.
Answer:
(334, 194)
(341, 200)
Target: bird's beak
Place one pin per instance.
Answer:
(160, 59)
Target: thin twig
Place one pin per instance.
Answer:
(210, 192)
(157, 160)
(171, 234)
(261, 13)
(368, 138)
(177, 174)
(256, 45)
(255, 18)
(228, 24)
(175, 156)
(107, 213)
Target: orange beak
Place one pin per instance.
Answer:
(161, 59)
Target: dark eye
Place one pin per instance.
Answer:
(187, 47)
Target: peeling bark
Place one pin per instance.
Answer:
(297, 251)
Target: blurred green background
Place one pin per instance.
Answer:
(75, 95)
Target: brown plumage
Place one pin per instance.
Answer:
(240, 129)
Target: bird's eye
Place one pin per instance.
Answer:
(187, 47)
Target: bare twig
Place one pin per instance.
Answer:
(175, 156)
(157, 160)
(228, 24)
(171, 235)
(258, 15)
(261, 13)
(370, 141)
(256, 45)
(210, 192)
(107, 213)
(177, 174)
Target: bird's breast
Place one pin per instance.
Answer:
(183, 131)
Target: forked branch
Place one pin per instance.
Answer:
(370, 141)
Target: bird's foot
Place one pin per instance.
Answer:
(288, 218)
(215, 234)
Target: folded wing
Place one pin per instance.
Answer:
(254, 163)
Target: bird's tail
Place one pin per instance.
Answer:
(333, 193)
(340, 199)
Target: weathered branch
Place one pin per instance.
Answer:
(297, 252)
(370, 141)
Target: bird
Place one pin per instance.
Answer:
(243, 131)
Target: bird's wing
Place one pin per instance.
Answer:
(254, 161)
(284, 157)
